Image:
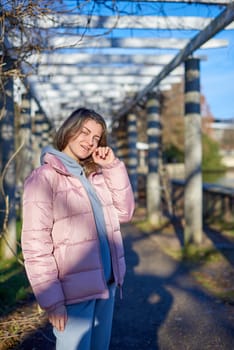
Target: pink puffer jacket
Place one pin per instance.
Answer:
(59, 238)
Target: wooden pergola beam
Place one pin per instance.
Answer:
(79, 80)
(126, 22)
(220, 22)
(205, 2)
(73, 70)
(100, 84)
(144, 43)
(107, 59)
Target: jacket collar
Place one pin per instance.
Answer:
(56, 163)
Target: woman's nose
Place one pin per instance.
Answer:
(90, 140)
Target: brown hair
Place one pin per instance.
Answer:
(72, 125)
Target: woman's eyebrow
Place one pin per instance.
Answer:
(85, 127)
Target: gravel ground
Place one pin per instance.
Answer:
(163, 306)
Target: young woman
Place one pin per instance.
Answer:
(73, 205)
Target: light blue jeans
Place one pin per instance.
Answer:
(89, 325)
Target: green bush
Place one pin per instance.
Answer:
(172, 154)
(211, 158)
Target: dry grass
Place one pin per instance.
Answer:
(20, 323)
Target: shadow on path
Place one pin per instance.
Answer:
(222, 243)
(142, 310)
(162, 307)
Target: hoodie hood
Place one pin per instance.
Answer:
(60, 161)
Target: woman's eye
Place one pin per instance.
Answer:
(96, 140)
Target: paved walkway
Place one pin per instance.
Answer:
(163, 307)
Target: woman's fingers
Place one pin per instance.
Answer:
(58, 318)
(102, 152)
(103, 155)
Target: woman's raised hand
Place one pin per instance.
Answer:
(103, 156)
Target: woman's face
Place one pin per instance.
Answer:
(82, 145)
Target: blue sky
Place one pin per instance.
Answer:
(217, 71)
(217, 77)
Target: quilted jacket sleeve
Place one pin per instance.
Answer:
(117, 180)
(37, 245)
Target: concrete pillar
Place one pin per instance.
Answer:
(153, 190)
(46, 138)
(122, 141)
(111, 140)
(42, 134)
(132, 152)
(7, 146)
(25, 136)
(193, 154)
(37, 127)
